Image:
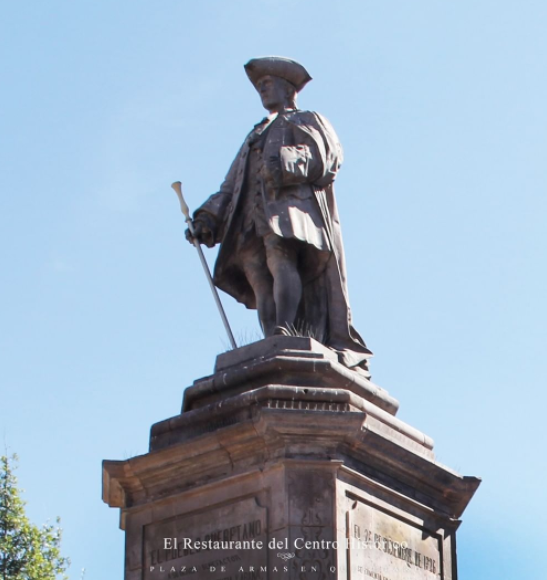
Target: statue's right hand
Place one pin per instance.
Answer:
(202, 233)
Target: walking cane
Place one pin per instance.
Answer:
(177, 186)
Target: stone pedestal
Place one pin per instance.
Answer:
(286, 465)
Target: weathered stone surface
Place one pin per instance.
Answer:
(211, 540)
(304, 470)
(286, 360)
(383, 545)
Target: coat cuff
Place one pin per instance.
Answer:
(295, 163)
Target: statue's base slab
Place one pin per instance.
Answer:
(271, 479)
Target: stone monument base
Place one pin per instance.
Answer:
(285, 464)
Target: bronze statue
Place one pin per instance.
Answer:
(276, 219)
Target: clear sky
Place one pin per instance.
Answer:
(105, 316)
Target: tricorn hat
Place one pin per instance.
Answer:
(277, 66)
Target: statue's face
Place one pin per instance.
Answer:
(273, 92)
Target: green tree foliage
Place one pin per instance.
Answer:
(27, 552)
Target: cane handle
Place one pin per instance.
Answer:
(177, 186)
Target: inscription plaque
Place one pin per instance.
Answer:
(215, 544)
(384, 547)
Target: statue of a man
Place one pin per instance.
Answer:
(276, 219)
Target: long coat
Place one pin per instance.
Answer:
(307, 154)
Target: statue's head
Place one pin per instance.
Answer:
(277, 80)
(276, 93)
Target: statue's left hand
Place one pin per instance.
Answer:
(202, 233)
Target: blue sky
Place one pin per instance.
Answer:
(105, 316)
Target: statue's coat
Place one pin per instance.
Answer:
(306, 147)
